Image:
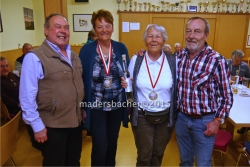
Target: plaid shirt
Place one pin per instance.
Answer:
(203, 83)
(102, 95)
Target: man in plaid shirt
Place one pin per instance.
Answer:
(204, 95)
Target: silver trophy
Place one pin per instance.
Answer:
(237, 7)
(125, 4)
(140, 5)
(232, 3)
(130, 5)
(167, 3)
(247, 9)
(228, 5)
(162, 6)
(119, 1)
(145, 6)
(241, 6)
(200, 4)
(135, 5)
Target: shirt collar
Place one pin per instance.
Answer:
(158, 61)
(56, 48)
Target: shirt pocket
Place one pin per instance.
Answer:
(200, 79)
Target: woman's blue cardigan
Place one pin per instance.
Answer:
(87, 55)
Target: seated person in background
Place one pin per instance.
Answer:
(9, 88)
(167, 48)
(177, 47)
(236, 64)
(91, 36)
(19, 61)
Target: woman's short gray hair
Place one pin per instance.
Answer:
(237, 53)
(157, 28)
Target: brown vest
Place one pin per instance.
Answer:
(61, 90)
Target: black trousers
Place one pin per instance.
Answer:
(104, 127)
(63, 147)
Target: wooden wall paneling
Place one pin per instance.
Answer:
(174, 29)
(133, 38)
(11, 56)
(55, 6)
(231, 33)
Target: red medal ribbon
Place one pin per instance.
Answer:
(106, 68)
(153, 85)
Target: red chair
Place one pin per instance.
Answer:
(221, 142)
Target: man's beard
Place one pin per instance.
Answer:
(195, 47)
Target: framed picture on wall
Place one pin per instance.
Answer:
(82, 22)
(1, 25)
(28, 19)
(248, 40)
(192, 8)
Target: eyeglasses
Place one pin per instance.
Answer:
(15, 84)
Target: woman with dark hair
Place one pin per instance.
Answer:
(91, 36)
(102, 66)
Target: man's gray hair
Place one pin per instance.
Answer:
(207, 25)
(47, 19)
(237, 53)
(177, 44)
(157, 28)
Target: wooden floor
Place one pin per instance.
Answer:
(26, 155)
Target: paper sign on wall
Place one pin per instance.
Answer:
(125, 26)
(134, 26)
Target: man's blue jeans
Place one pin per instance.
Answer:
(192, 141)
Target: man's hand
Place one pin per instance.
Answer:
(140, 52)
(41, 136)
(212, 128)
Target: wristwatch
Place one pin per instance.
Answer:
(221, 120)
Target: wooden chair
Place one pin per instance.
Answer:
(9, 139)
(4, 111)
(245, 152)
(221, 142)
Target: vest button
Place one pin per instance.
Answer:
(64, 72)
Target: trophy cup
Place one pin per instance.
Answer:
(177, 6)
(181, 2)
(167, 3)
(145, 6)
(247, 9)
(125, 4)
(135, 5)
(158, 8)
(130, 5)
(140, 5)
(119, 1)
(172, 7)
(153, 8)
(241, 6)
(228, 5)
(223, 6)
(218, 6)
(162, 6)
(188, 4)
(200, 4)
(205, 4)
(237, 7)
(214, 6)
(232, 3)
(149, 7)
